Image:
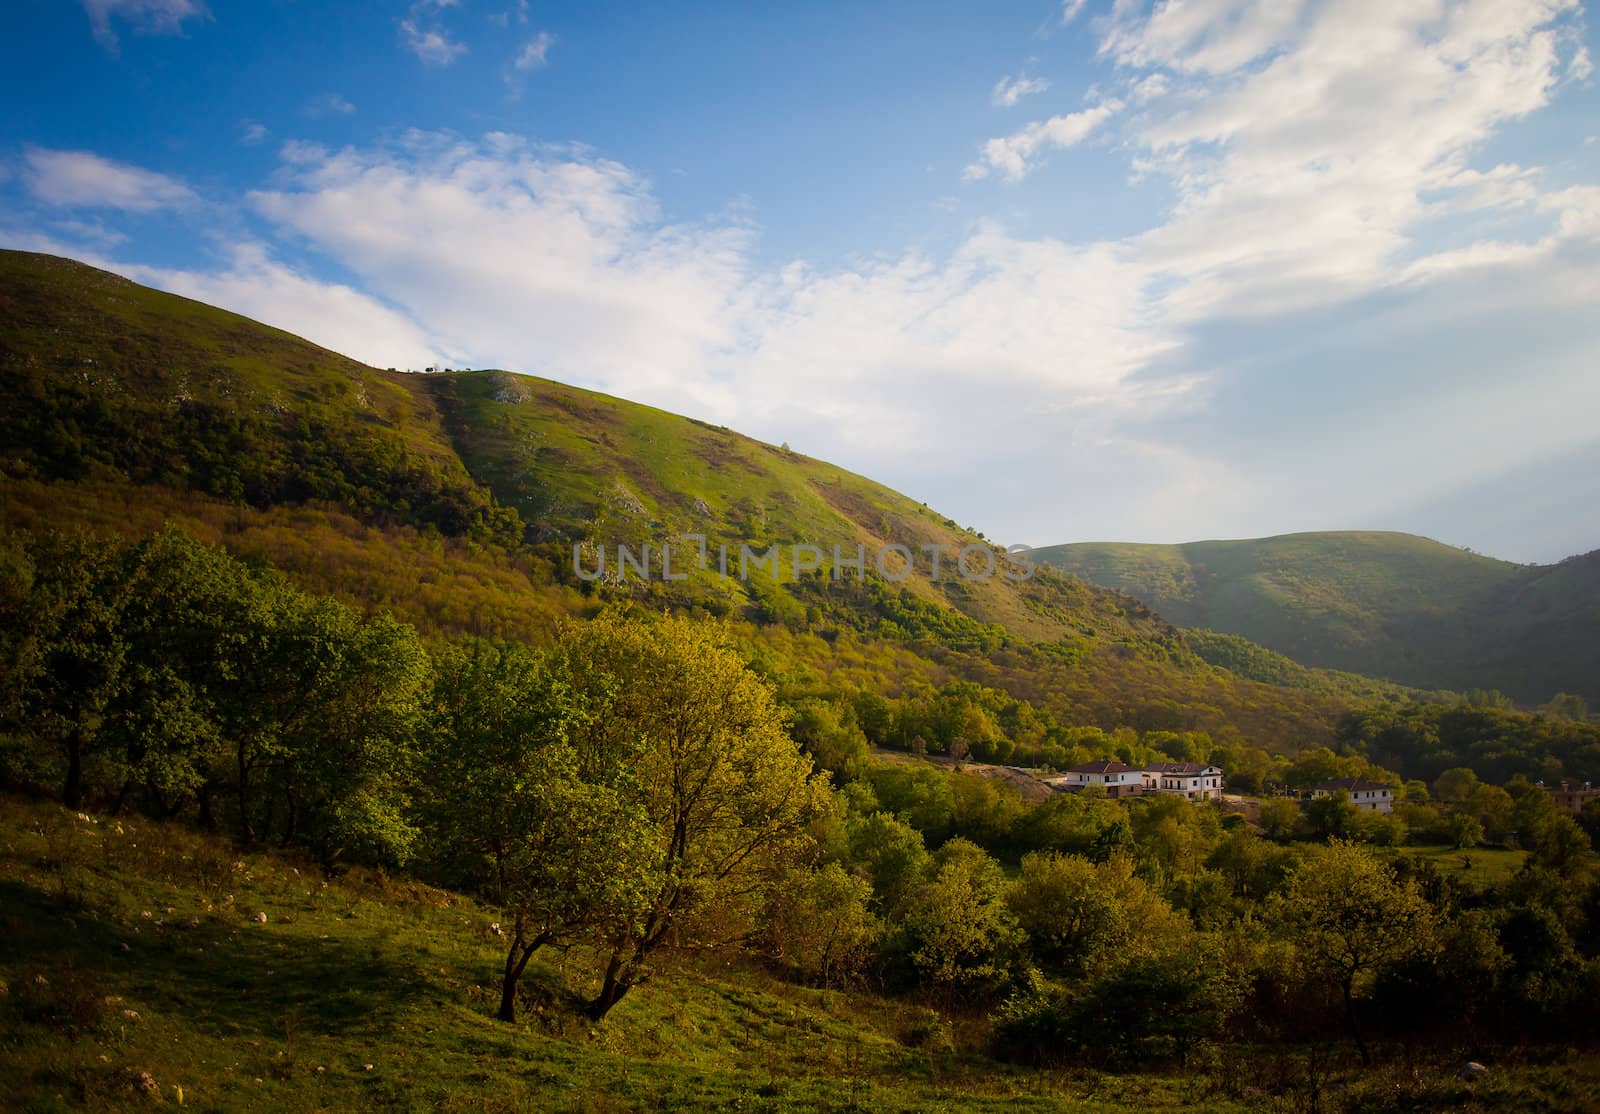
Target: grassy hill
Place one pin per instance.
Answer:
(136, 972)
(1383, 604)
(456, 500)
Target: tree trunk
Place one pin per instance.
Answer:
(206, 820)
(72, 791)
(247, 831)
(292, 823)
(516, 960)
(1355, 1032)
(611, 990)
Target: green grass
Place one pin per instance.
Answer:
(130, 957)
(151, 961)
(1482, 866)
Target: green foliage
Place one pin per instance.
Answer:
(1073, 911)
(891, 853)
(727, 794)
(1136, 1014)
(167, 672)
(1426, 740)
(554, 837)
(1332, 816)
(959, 933)
(1279, 817)
(821, 925)
(1349, 917)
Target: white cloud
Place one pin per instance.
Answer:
(1070, 10)
(1010, 155)
(92, 232)
(430, 44)
(1207, 36)
(557, 262)
(1581, 66)
(535, 52)
(253, 133)
(542, 261)
(328, 104)
(1009, 90)
(153, 17)
(81, 179)
(330, 314)
(1307, 172)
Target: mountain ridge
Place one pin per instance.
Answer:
(126, 407)
(1380, 603)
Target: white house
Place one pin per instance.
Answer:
(1369, 796)
(1199, 781)
(1195, 780)
(1117, 779)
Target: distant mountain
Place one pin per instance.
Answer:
(1382, 604)
(456, 500)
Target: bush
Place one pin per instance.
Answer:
(819, 924)
(1143, 1012)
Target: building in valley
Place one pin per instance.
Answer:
(1198, 781)
(1369, 796)
(1571, 796)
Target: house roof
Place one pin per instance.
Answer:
(1102, 768)
(1191, 768)
(1350, 785)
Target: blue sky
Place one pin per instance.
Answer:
(1092, 270)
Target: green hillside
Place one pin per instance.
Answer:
(457, 499)
(1383, 604)
(206, 1008)
(370, 798)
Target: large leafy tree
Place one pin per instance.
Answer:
(1073, 910)
(1350, 916)
(960, 933)
(66, 657)
(349, 745)
(728, 794)
(557, 838)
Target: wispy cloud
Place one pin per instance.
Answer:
(535, 53)
(431, 45)
(82, 179)
(328, 104)
(1012, 155)
(1070, 10)
(150, 17)
(1009, 90)
(551, 262)
(93, 232)
(252, 133)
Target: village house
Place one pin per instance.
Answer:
(1369, 796)
(1117, 779)
(1199, 781)
(1194, 780)
(1570, 796)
